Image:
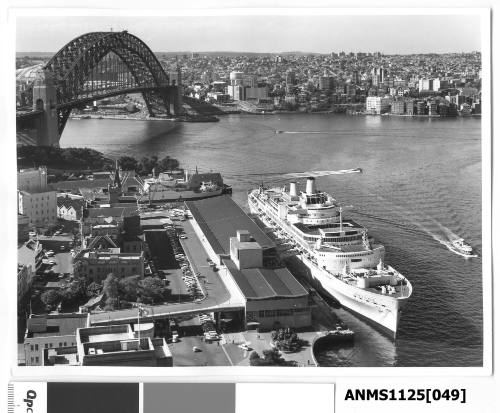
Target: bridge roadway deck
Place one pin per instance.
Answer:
(215, 284)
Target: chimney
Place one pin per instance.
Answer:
(310, 186)
(293, 189)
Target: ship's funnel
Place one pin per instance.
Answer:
(310, 186)
(293, 188)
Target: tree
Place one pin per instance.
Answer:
(76, 291)
(50, 298)
(168, 164)
(93, 289)
(110, 287)
(127, 163)
(111, 304)
(152, 290)
(128, 287)
(146, 165)
(255, 359)
(271, 357)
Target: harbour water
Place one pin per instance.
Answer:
(420, 188)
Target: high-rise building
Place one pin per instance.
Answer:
(355, 77)
(377, 105)
(326, 83)
(378, 76)
(32, 180)
(35, 200)
(398, 107)
(425, 84)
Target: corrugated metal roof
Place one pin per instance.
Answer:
(220, 217)
(259, 283)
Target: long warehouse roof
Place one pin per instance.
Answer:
(220, 217)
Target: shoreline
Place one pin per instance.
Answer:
(204, 119)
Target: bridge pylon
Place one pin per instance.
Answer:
(45, 99)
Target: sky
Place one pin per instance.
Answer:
(402, 34)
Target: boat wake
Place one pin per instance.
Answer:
(415, 222)
(297, 175)
(317, 174)
(304, 132)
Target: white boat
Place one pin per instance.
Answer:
(461, 248)
(341, 258)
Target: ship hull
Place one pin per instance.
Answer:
(382, 311)
(180, 196)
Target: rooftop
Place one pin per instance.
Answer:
(220, 218)
(258, 283)
(110, 212)
(57, 324)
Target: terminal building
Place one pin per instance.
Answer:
(273, 297)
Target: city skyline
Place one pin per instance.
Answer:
(396, 34)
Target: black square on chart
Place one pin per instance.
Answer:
(93, 397)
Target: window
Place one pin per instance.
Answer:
(65, 344)
(46, 345)
(60, 344)
(36, 347)
(37, 360)
(270, 313)
(284, 312)
(32, 360)
(261, 313)
(32, 347)
(50, 345)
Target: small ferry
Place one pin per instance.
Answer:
(461, 248)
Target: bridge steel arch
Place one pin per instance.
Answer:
(68, 72)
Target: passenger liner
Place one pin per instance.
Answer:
(342, 258)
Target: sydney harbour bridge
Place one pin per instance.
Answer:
(91, 67)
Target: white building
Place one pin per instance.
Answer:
(50, 331)
(70, 208)
(425, 84)
(34, 199)
(39, 207)
(29, 260)
(377, 105)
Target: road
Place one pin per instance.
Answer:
(64, 263)
(211, 354)
(218, 297)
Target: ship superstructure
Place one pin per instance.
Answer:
(169, 187)
(341, 256)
